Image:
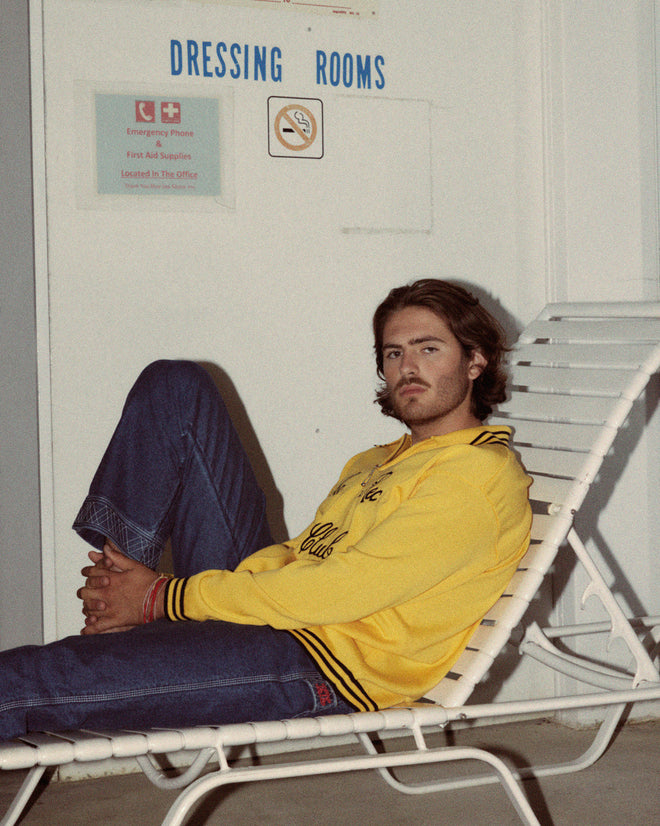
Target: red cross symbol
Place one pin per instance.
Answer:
(170, 112)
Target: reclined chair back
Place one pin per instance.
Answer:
(575, 373)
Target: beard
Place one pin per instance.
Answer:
(432, 405)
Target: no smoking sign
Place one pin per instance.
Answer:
(295, 127)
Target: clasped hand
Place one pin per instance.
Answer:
(114, 591)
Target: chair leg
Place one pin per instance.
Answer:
(23, 796)
(598, 746)
(188, 798)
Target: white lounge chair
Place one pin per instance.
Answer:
(576, 371)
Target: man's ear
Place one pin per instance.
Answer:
(477, 364)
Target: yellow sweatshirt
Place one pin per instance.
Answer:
(409, 550)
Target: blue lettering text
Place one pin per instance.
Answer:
(334, 69)
(275, 64)
(363, 71)
(235, 52)
(176, 57)
(209, 60)
(379, 62)
(349, 69)
(206, 58)
(221, 68)
(321, 60)
(193, 53)
(260, 62)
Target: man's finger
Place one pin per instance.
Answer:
(93, 606)
(87, 593)
(116, 559)
(93, 580)
(101, 626)
(93, 570)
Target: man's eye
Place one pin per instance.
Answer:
(392, 354)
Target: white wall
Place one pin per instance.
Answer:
(278, 291)
(602, 189)
(512, 146)
(603, 160)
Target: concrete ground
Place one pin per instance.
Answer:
(623, 787)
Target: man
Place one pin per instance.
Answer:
(368, 607)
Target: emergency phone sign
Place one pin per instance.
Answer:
(147, 145)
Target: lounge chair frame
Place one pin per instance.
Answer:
(577, 370)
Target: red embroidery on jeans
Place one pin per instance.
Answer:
(323, 693)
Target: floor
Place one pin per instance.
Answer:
(623, 787)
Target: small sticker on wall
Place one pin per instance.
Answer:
(295, 127)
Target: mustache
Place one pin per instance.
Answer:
(404, 382)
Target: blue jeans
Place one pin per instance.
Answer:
(174, 469)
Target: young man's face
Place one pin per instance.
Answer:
(428, 376)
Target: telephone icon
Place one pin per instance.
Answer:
(145, 111)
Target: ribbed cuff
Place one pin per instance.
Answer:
(174, 598)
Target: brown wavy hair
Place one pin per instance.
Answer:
(472, 325)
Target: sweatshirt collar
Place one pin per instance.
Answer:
(484, 434)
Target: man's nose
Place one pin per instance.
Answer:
(408, 364)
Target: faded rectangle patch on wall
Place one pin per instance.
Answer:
(386, 158)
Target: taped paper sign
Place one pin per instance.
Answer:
(347, 8)
(149, 145)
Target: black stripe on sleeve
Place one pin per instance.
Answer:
(174, 593)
